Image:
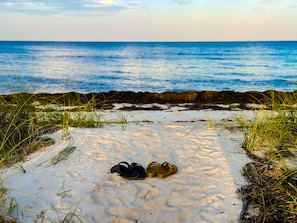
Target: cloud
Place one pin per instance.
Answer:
(67, 6)
(266, 7)
(184, 2)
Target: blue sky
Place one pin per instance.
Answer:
(148, 20)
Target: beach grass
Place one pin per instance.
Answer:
(19, 129)
(20, 134)
(25, 119)
(24, 122)
(270, 141)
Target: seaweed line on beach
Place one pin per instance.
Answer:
(199, 100)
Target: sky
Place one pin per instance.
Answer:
(148, 20)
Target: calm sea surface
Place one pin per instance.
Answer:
(156, 67)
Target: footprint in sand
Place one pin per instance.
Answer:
(175, 200)
(119, 221)
(128, 213)
(147, 191)
(149, 195)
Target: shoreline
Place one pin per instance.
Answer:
(200, 99)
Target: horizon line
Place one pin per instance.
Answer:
(148, 41)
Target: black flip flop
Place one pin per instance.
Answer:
(140, 169)
(125, 170)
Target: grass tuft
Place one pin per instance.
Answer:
(20, 132)
(24, 121)
(270, 141)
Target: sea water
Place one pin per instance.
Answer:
(84, 67)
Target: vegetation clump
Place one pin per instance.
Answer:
(271, 142)
(24, 121)
(20, 131)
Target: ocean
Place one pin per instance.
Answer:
(84, 67)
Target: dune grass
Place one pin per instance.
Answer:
(20, 131)
(24, 121)
(271, 142)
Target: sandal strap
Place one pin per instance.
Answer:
(165, 164)
(152, 164)
(124, 162)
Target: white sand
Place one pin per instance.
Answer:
(209, 159)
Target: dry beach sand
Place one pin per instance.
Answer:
(207, 154)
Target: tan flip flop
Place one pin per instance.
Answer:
(152, 169)
(166, 169)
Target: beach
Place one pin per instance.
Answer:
(93, 92)
(205, 145)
